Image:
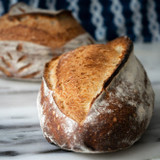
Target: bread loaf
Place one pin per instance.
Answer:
(54, 31)
(96, 98)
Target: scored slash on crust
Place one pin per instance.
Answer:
(76, 73)
(10, 69)
(23, 60)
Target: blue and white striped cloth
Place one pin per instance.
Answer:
(107, 19)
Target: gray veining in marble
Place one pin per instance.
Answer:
(21, 137)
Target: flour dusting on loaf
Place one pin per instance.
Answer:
(115, 88)
(132, 80)
(68, 127)
(127, 89)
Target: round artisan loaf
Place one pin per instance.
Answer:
(96, 98)
(31, 37)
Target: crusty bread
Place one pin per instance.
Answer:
(96, 98)
(54, 31)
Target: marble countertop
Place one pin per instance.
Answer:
(21, 137)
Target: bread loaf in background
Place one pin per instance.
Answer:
(96, 98)
(54, 32)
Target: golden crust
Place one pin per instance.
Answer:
(79, 76)
(55, 30)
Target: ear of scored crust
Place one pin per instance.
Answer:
(79, 76)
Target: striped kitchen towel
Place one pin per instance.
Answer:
(107, 19)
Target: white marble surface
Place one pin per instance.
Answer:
(21, 137)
